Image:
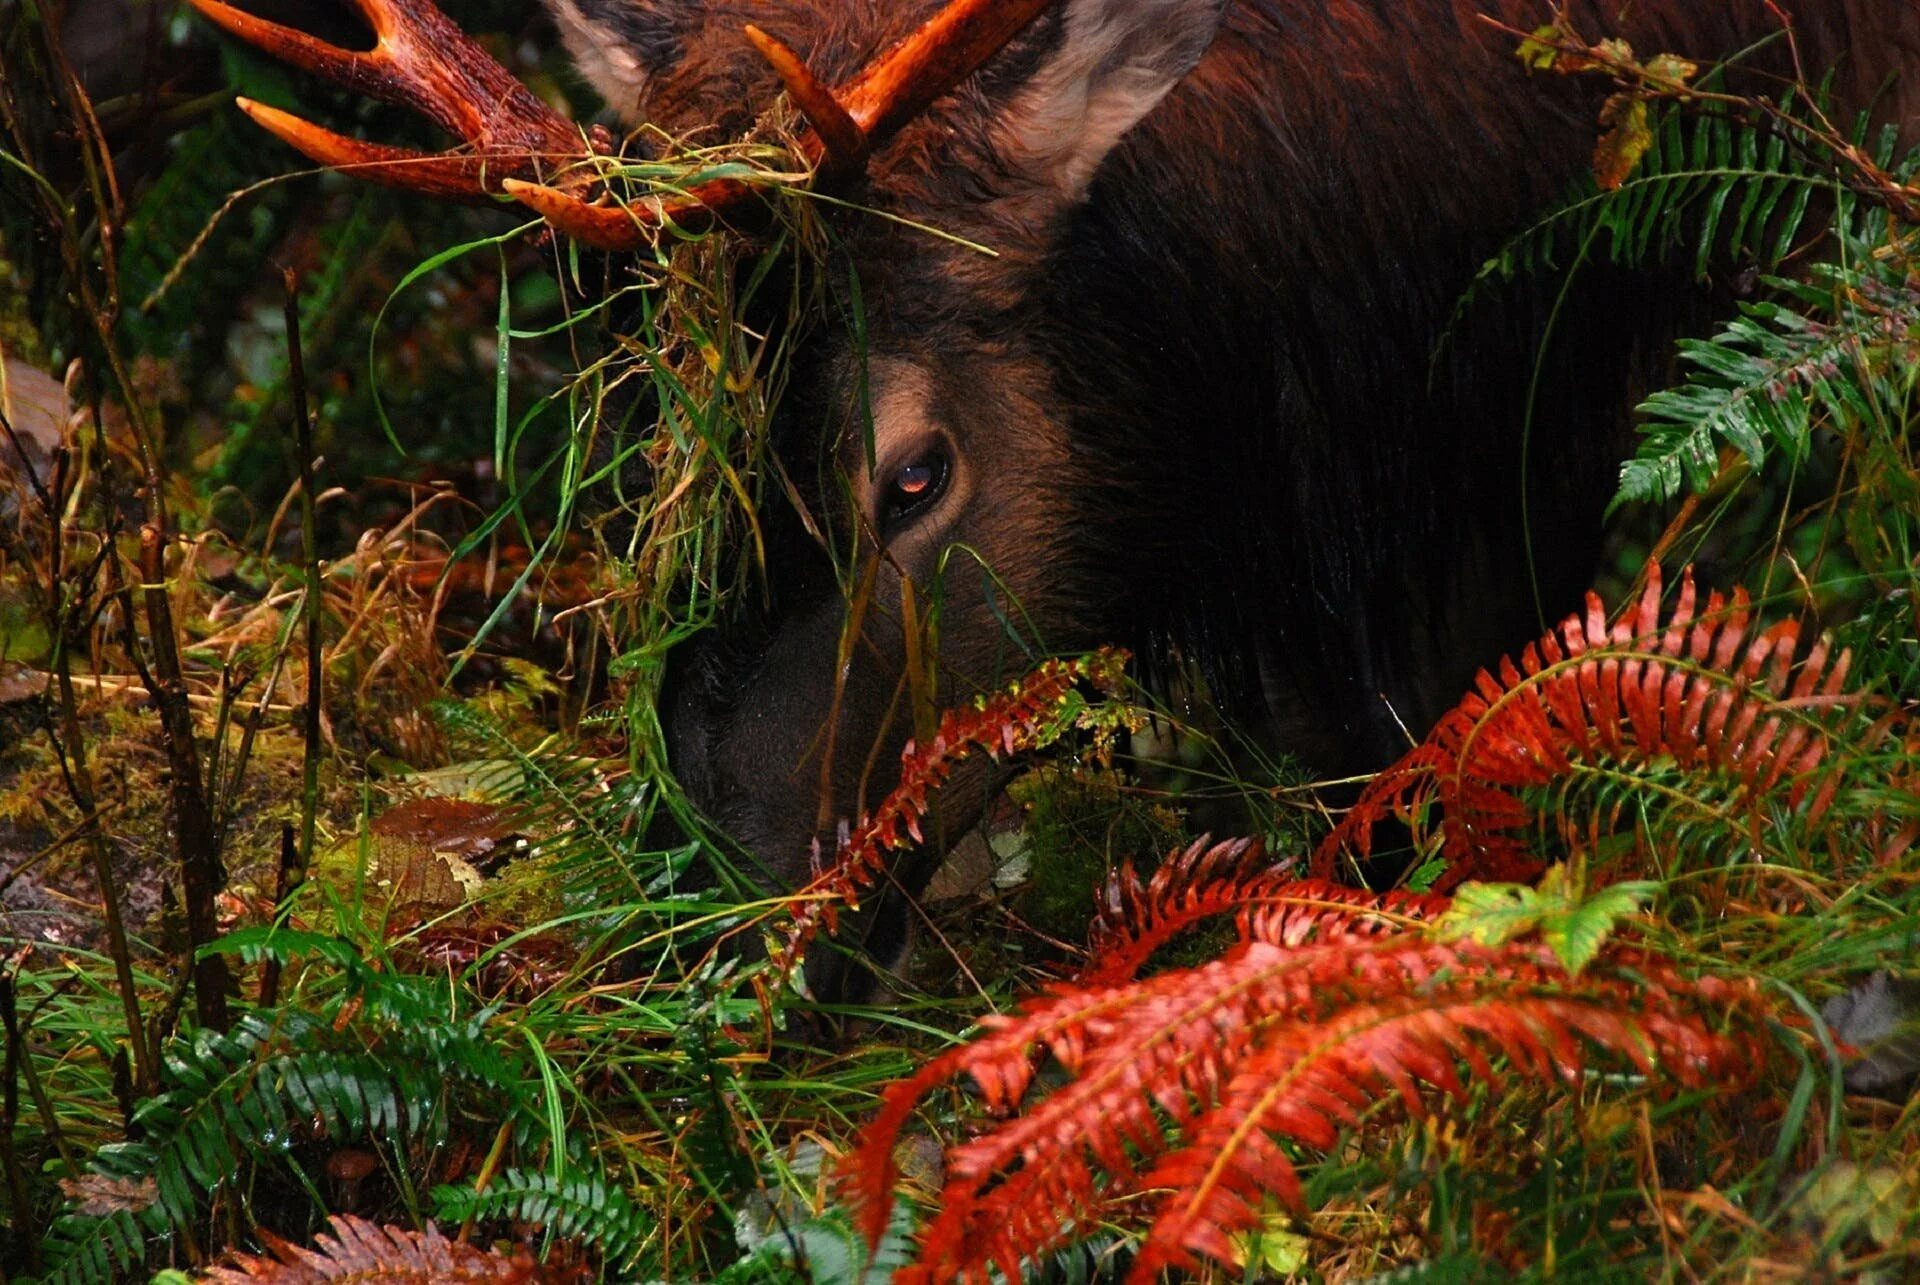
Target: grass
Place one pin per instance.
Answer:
(535, 1011)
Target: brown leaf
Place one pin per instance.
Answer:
(20, 683)
(1622, 146)
(95, 1195)
(459, 827)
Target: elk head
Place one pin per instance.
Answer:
(983, 118)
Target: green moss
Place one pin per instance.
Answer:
(1080, 821)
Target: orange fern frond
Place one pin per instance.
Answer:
(1026, 716)
(1706, 689)
(1189, 1082)
(357, 1250)
(1138, 916)
(1298, 1087)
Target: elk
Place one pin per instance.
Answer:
(1192, 404)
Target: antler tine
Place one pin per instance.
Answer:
(952, 45)
(289, 44)
(420, 60)
(843, 141)
(891, 91)
(458, 177)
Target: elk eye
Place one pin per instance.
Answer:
(914, 486)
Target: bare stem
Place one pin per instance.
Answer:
(310, 560)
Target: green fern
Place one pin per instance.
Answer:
(1710, 188)
(825, 1249)
(231, 1100)
(83, 1249)
(1846, 357)
(578, 1206)
(1835, 349)
(280, 1079)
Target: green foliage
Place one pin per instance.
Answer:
(577, 1206)
(820, 1249)
(1836, 352)
(275, 1082)
(1709, 191)
(1572, 925)
(1079, 822)
(594, 1045)
(81, 1249)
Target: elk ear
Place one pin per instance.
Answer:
(1115, 60)
(617, 44)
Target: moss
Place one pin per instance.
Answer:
(1081, 820)
(19, 339)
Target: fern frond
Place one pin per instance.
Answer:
(1709, 187)
(581, 1207)
(1707, 691)
(1761, 385)
(1027, 716)
(1192, 1080)
(82, 1249)
(1298, 1089)
(270, 1083)
(357, 1250)
(1137, 917)
(230, 1100)
(821, 1248)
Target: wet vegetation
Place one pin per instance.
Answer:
(346, 898)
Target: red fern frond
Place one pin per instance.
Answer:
(1192, 1079)
(360, 1251)
(1137, 916)
(1707, 690)
(1026, 716)
(1304, 1083)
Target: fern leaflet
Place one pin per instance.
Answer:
(357, 1250)
(579, 1206)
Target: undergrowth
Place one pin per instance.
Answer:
(349, 903)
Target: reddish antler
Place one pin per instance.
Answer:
(422, 61)
(518, 146)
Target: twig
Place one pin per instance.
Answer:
(284, 882)
(64, 606)
(9, 1114)
(310, 605)
(195, 843)
(105, 686)
(16, 1040)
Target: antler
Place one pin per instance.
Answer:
(420, 60)
(519, 146)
